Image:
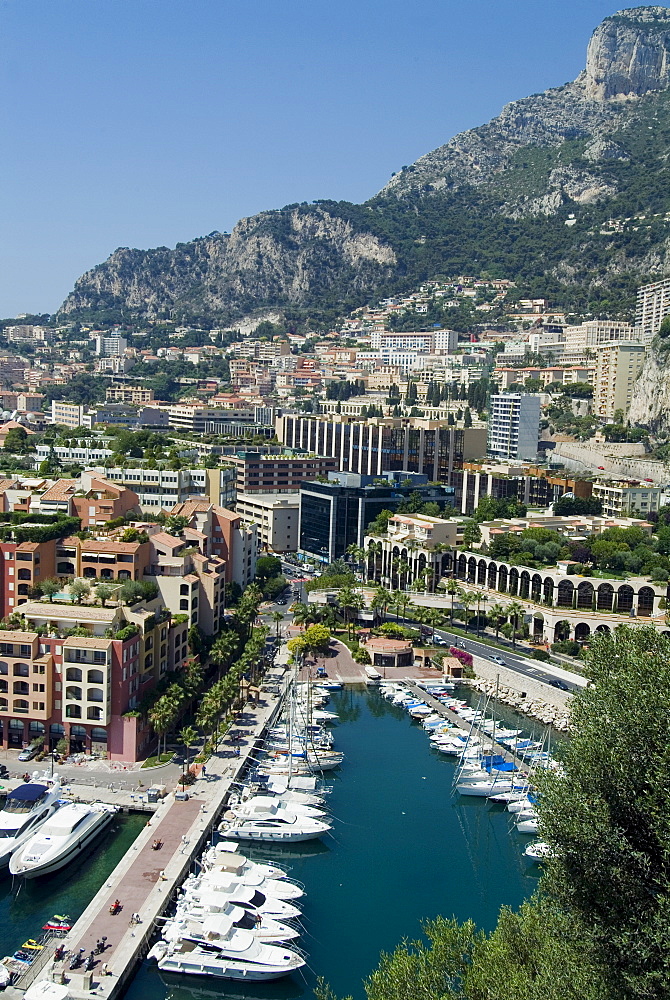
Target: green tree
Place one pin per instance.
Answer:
(472, 534)
(188, 736)
(266, 568)
(103, 592)
(50, 587)
(79, 589)
(515, 610)
(17, 441)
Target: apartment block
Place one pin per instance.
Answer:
(514, 425)
(622, 498)
(261, 473)
(416, 550)
(653, 305)
(617, 368)
(529, 484)
(275, 516)
(224, 535)
(158, 488)
(129, 394)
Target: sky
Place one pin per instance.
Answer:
(144, 123)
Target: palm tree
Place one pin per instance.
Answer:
(453, 589)
(433, 618)
(481, 599)
(188, 736)
(496, 613)
(381, 600)
(349, 600)
(277, 618)
(403, 569)
(514, 610)
(467, 600)
(357, 555)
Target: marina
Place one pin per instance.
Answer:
(146, 881)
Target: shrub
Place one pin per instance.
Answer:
(540, 654)
(567, 646)
(361, 655)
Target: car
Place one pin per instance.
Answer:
(282, 600)
(499, 660)
(29, 753)
(561, 685)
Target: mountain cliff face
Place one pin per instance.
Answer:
(495, 197)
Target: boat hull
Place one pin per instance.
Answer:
(66, 857)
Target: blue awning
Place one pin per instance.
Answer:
(29, 792)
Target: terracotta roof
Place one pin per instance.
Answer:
(82, 641)
(80, 612)
(62, 489)
(382, 645)
(18, 636)
(163, 538)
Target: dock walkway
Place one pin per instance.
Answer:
(146, 880)
(462, 724)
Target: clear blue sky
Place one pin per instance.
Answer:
(148, 122)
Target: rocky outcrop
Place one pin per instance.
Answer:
(629, 55)
(275, 258)
(650, 406)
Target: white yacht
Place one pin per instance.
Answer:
(268, 805)
(225, 951)
(223, 880)
(266, 928)
(210, 899)
(61, 838)
(26, 809)
(280, 827)
(224, 857)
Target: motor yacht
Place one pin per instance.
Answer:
(219, 879)
(266, 928)
(282, 827)
(204, 898)
(61, 838)
(26, 809)
(227, 952)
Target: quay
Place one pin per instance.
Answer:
(146, 880)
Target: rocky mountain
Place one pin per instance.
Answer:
(592, 154)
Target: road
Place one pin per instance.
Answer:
(536, 669)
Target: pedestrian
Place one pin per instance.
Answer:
(103, 941)
(204, 771)
(105, 969)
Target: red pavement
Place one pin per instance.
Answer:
(135, 886)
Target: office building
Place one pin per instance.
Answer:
(257, 472)
(372, 446)
(336, 514)
(514, 426)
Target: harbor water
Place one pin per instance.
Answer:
(26, 905)
(403, 848)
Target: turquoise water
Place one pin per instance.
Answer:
(26, 905)
(402, 849)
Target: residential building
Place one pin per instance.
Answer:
(415, 549)
(617, 368)
(110, 346)
(87, 687)
(24, 566)
(129, 394)
(225, 535)
(189, 582)
(275, 516)
(653, 305)
(206, 420)
(621, 498)
(26, 332)
(336, 514)
(72, 454)
(373, 445)
(68, 414)
(258, 472)
(109, 560)
(158, 488)
(514, 425)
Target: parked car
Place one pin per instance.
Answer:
(561, 685)
(29, 753)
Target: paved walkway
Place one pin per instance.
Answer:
(146, 879)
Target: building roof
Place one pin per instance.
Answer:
(62, 489)
(170, 541)
(80, 612)
(17, 636)
(380, 644)
(81, 641)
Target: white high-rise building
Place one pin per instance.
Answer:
(653, 305)
(514, 425)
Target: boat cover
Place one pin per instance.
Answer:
(28, 792)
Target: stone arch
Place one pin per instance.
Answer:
(536, 588)
(565, 593)
(538, 624)
(645, 602)
(585, 595)
(562, 630)
(492, 576)
(462, 566)
(624, 600)
(513, 585)
(605, 597)
(524, 583)
(502, 579)
(548, 590)
(582, 632)
(481, 573)
(602, 628)
(472, 569)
